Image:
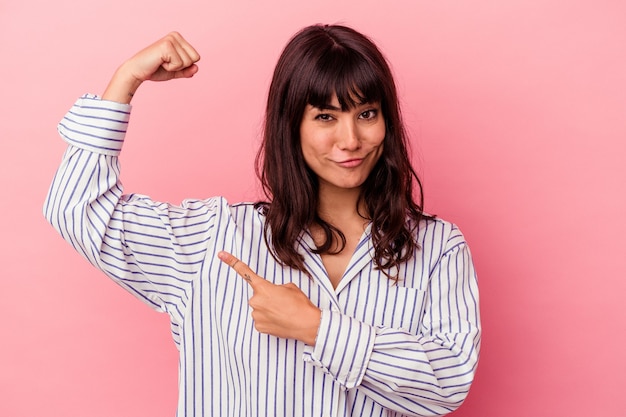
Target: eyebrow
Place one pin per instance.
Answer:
(334, 108)
(327, 107)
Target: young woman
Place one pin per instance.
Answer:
(350, 301)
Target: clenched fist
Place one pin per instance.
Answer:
(168, 58)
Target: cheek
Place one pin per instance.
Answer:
(378, 141)
(377, 135)
(305, 141)
(383, 133)
(308, 150)
(306, 155)
(314, 143)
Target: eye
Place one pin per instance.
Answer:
(368, 114)
(324, 117)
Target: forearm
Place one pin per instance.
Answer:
(419, 375)
(411, 374)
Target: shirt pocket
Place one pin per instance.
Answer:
(394, 307)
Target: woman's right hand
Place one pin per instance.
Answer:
(168, 58)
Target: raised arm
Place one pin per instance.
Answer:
(149, 248)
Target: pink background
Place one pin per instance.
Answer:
(518, 114)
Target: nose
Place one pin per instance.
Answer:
(348, 136)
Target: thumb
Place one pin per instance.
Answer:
(187, 72)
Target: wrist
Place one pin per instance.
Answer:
(311, 328)
(122, 86)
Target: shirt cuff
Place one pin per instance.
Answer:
(96, 125)
(343, 348)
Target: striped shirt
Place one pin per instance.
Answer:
(382, 349)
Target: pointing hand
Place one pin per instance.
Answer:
(280, 310)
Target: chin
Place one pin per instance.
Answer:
(349, 185)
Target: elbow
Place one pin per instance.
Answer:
(454, 397)
(51, 212)
(64, 218)
(454, 382)
(56, 214)
(455, 391)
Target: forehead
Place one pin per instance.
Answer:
(348, 77)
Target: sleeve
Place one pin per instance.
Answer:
(424, 374)
(152, 249)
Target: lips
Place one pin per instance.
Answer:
(350, 163)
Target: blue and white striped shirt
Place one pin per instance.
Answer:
(382, 349)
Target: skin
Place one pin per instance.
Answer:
(341, 147)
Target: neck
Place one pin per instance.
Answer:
(338, 205)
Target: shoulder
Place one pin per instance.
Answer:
(218, 207)
(247, 217)
(247, 210)
(438, 236)
(221, 207)
(215, 209)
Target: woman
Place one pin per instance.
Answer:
(352, 302)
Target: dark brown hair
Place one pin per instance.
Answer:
(318, 62)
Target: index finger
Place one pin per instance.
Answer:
(242, 269)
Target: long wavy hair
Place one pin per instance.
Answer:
(317, 63)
